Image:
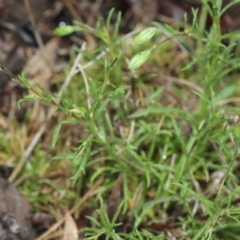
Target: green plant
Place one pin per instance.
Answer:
(160, 165)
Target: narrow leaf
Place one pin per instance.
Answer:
(56, 133)
(24, 81)
(27, 98)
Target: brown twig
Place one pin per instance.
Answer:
(37, 35)
(91, 192)
(42, 129)
(3, 69)
(77, 17)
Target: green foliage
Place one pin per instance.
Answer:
(160, 165)
(105, 226)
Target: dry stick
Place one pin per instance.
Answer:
(131, 132)
(3, 69)
(37, 35)
(183, 82)
(170, 36)
(77, 17)
(72, 71)
(91, 192)
(95, 10)
(30, 147)
(160, 123)
(13, 107)
(228, 100)
(42, 129)
(85, 79)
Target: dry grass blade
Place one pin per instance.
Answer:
(42, 129)
(91, 192)
(70, 228)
